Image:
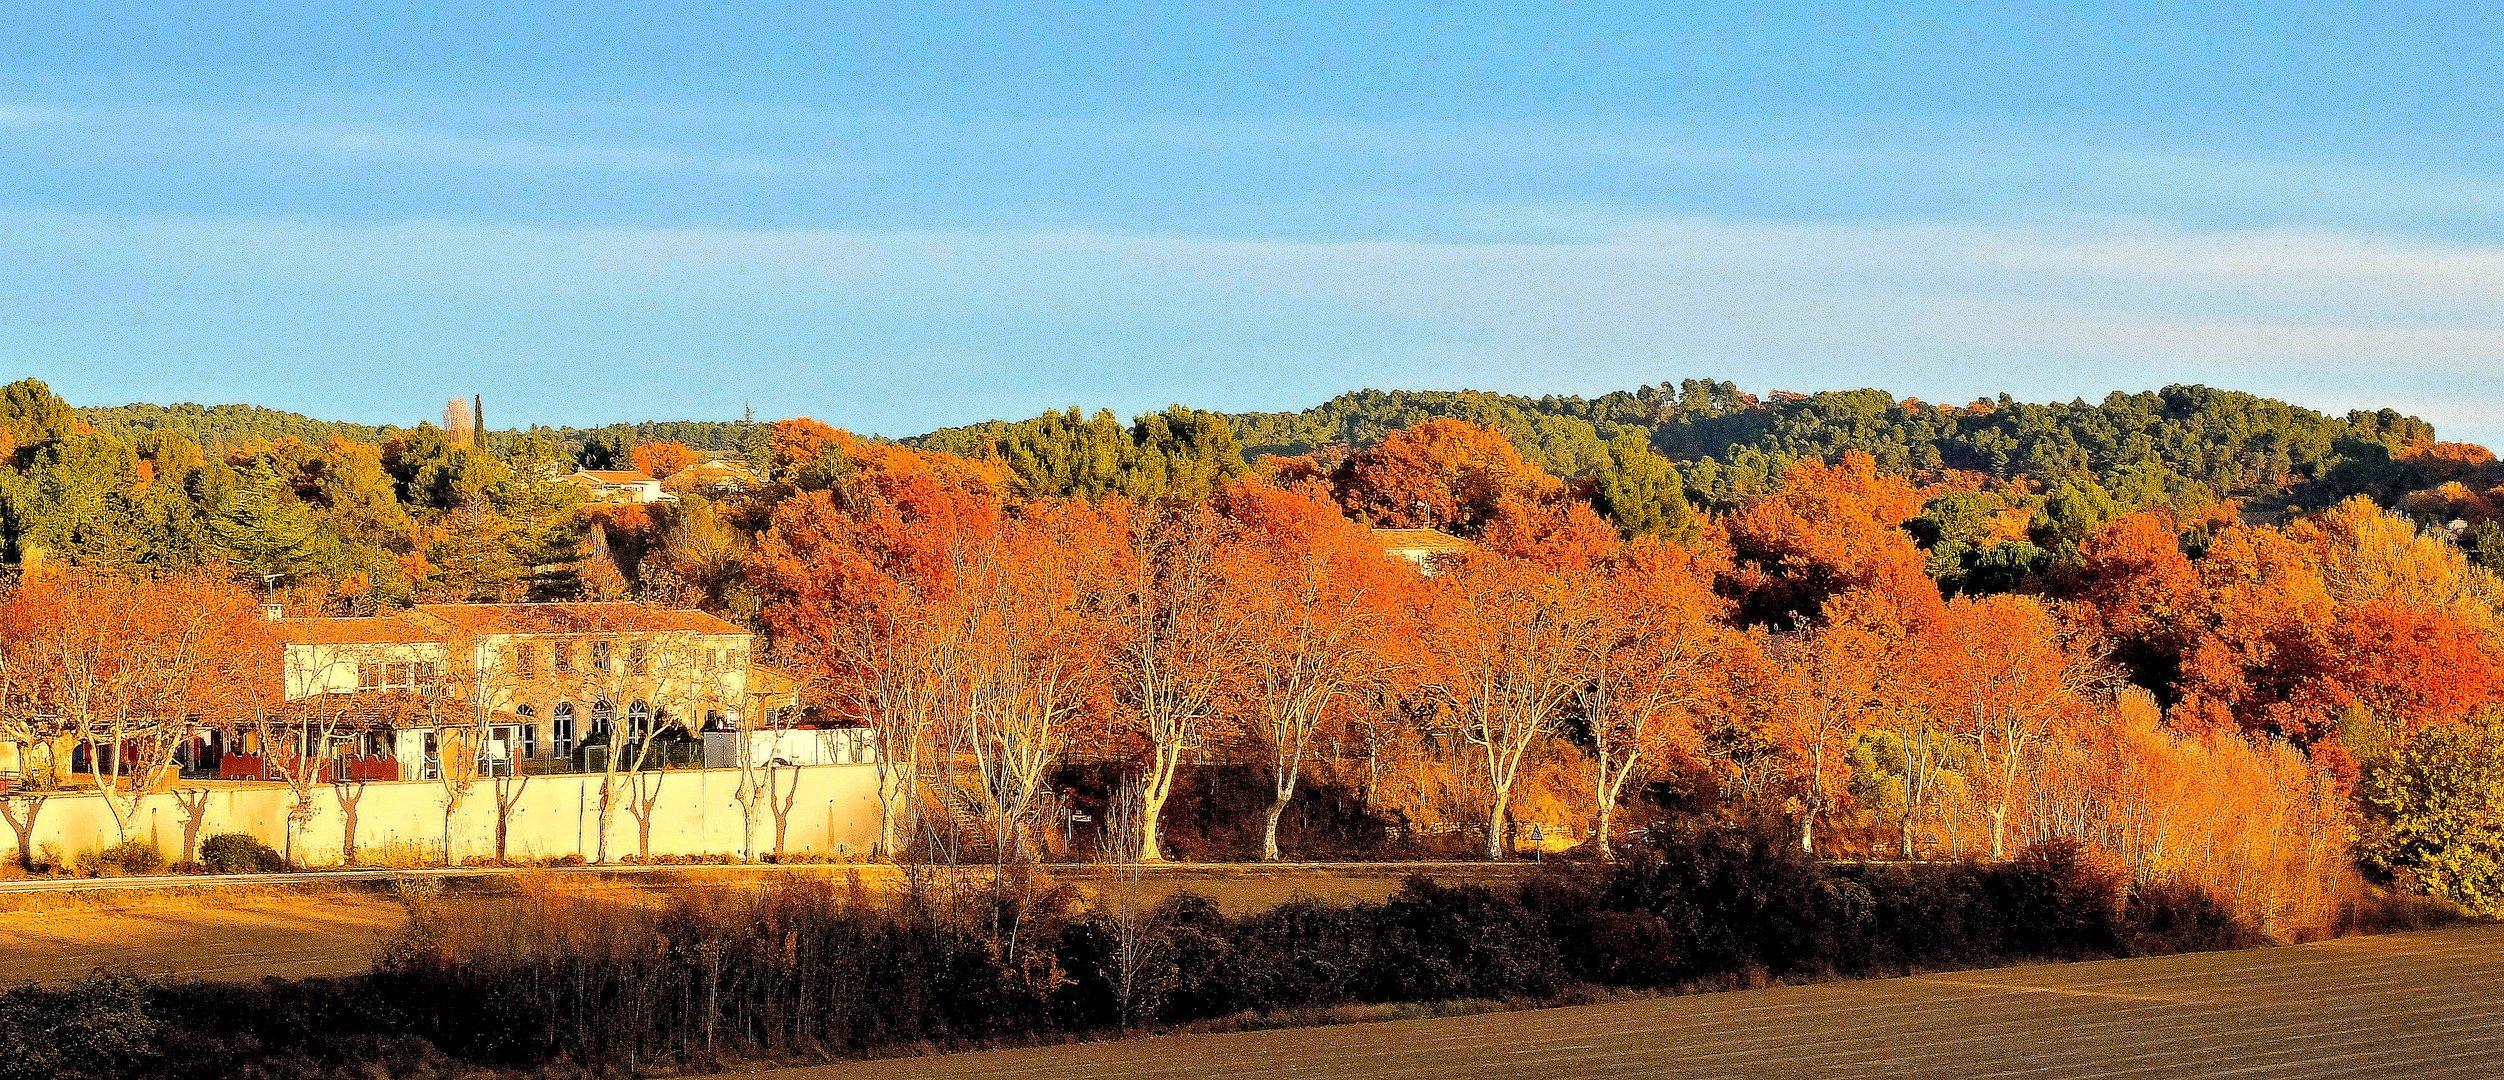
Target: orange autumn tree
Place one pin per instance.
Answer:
(1667, 664)
(1828, 528)
(1508, 646)
(1324, 605)
(2143, 592)
(661, 459)
(1564, 534)
(2407, 669)
(2262, 638)
(1995, 670)
(795, 444)
(2248, 821)
(1834, 678)
(1443, 474)
(1030, 612)
(126, 668)
(2348, 613)
(865, 590)
(1176, 650)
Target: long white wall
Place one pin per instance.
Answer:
(834, 811)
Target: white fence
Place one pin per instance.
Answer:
(832, 810)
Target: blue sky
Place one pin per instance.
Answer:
(894, 221)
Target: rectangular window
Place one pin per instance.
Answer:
(530, 740)
(564, 656)
(523, 658)
(369, 676)
(639, 657)
(600, 656)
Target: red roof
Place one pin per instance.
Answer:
(585, 618)
(383, 630)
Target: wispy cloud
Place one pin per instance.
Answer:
(2088, 290)
(184, 130)
(19, 117)
(917, 328)
(442, 148)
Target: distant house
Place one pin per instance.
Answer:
(712, 478)
(617, 486)
(1425, 547)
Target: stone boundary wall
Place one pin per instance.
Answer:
(833, 812)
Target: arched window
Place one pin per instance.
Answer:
(603, 715)
(530, 730)
(561, 742)
(638, 721)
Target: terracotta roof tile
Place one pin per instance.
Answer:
(584, 618)
(383, 630)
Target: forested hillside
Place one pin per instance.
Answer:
(2237, 645)
(2228, 443)
(219, 427)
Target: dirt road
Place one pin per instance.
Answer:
(2416, 1005)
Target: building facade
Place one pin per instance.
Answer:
(539, 687)
(617, 485)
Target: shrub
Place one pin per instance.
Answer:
(2433, 815)
(133, 856)
(238, 853)
(2057, 901)
(1727, 897)
(2163, 917)
(810, 967)
(100, 1026)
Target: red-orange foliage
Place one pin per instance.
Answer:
(2407, 668)
(1442, 474)
(1827, 529)
(1325, 608)
(661, 459)
(2142, 591)
(125, 667)
(796, 442)
(2265, 621)
(1565, 534)
(1669, 666)
(2290, 631)
(2250, 822)
(869, 591)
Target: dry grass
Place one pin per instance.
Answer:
(241, 932)
(205, 933)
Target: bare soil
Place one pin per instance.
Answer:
(2425, 1004)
